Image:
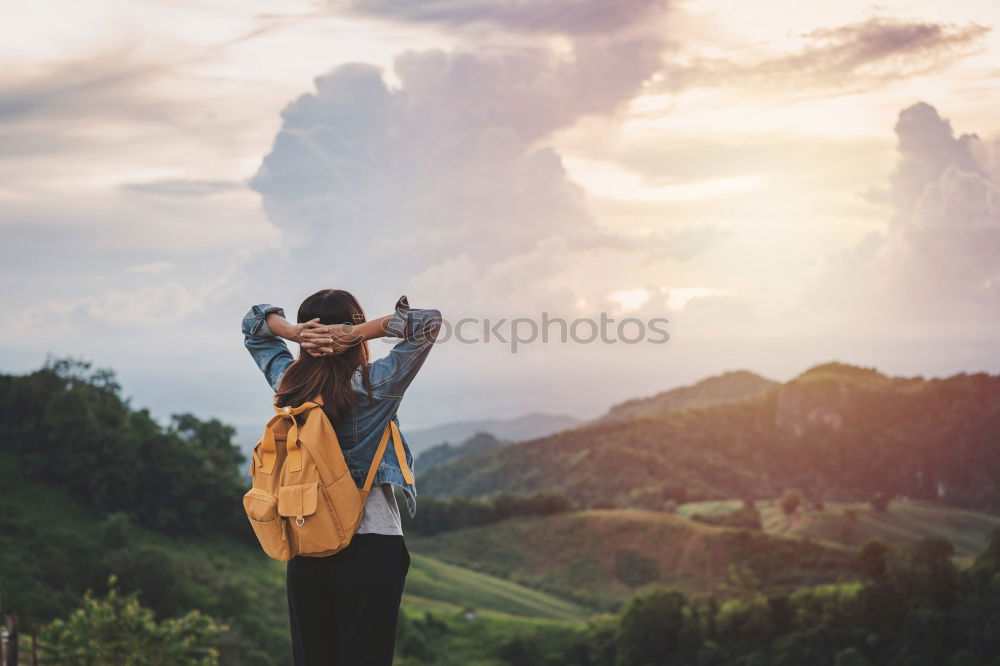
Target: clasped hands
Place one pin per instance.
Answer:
(318, 339)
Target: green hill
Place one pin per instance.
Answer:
(602, 557)
(92, 487)
(839, 432)
(52, 549)
(431, 579)
(718, 390)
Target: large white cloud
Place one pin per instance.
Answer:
(945, 238)
(938, 262)
(395, 182)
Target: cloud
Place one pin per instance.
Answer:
(945, 238)
(848, 58)
(937, 260)
(152, 267)
(572, 17)
(452, 164)
(105, 83)
(111, 82)
(183, 187)
(156, 304)
(927, 147)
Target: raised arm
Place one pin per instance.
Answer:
(391, 375)
(264, 326)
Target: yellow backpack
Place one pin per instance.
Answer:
(303, 500)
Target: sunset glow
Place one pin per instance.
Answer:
(777, 179)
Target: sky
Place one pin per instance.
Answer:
(785, 182)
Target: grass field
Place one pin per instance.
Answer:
(431, 579)
(601, 557)
(903, 522)
(478, 639)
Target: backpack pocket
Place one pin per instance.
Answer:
(311, 518)
(262, 510)
(346, 499)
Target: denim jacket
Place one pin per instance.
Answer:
(360, 432)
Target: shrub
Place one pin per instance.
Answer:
(118, 630)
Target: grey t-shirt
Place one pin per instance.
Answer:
(381, 514)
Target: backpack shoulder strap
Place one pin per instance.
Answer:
(397, 442)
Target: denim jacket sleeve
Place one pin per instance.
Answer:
(391, 375)
(269, 352)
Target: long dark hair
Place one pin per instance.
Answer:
(329, 376)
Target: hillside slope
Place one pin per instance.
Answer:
(601, 557)
(435, 455)
(52, 550)
(718, 390)
(851, 524)
(836, 431)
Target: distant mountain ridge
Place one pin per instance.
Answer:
(481, 441)
(836, 431)
(727, 387)
(528, 426)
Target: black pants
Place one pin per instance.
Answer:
(343, 607)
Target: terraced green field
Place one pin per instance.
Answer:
(600, 558)
(903, 522)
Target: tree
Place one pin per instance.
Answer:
(741, 583)
(68, 425)
(118, 630)
(115, 530)
(872, 559)
(933, 564)
(988, 561)
(157, 579)
(790, 501)
(520, 650)
(650, 628)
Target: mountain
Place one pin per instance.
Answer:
(727, 387)
(836, 432)
(602, 557)
(521, 428)
(481, 441)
